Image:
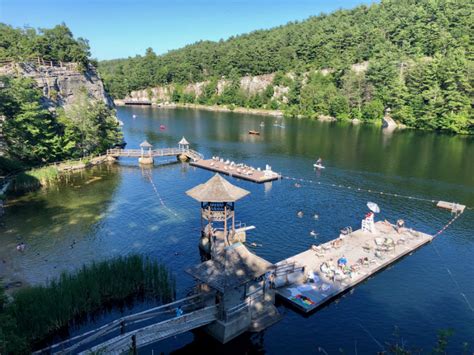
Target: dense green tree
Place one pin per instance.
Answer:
(418, 52)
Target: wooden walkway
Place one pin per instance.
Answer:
(164, 152)
(156, 332)
(366, 254)
(239, 171)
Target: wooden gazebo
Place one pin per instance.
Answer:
(145, 146)
(183, 144)
(217, 197)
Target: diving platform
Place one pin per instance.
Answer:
(328, 270)
(240, 171)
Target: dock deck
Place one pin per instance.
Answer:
(240, 172)
(366, 254)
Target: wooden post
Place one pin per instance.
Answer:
(233, 218)
(134, 344)
(225, 217)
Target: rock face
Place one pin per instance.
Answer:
(249, 84)
(60, 83)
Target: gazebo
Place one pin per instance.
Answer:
(217, 197)
(148, 159)
(183, 144)
(145, 145)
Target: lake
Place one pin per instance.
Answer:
(113, 210)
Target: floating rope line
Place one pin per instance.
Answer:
(148, 175)
(451, 221)
(359, 189)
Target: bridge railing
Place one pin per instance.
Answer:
(154, 152)
(118, 326)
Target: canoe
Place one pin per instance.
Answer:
(254, 132)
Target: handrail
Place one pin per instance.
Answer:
(154, 152)
(112, 326)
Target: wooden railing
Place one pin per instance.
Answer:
(136, 153)
(156, 332)
(188, 304)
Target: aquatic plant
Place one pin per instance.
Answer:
(40, 311)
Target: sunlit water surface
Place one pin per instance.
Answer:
(113, 210)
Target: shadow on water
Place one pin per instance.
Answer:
(54, 224)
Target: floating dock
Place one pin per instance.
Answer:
(365, 253)
(239, 171)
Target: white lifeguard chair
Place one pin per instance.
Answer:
(368, 224)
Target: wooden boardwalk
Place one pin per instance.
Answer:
(366, 254)
(163, 152)
(239, 171)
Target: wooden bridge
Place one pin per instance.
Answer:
(152, 153)
(135, 331)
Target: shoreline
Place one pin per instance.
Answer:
(250, 111)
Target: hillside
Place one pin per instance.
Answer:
(419, 58)
(53, 104)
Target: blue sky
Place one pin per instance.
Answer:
(122, 28)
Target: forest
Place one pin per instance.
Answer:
(418, 55)
(51, 44)
(33, 134)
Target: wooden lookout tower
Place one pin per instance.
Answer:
(217, 197)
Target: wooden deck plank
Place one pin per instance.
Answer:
(352, 248)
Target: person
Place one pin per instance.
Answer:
(300, 214)
(21, 247)
(319, 161)
(179, 311)
(400, 225)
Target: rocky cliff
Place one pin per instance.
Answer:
(61, 82)
(249, 84)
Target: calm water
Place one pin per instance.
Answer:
(113, 210)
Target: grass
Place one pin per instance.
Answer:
(38, 312)
(35, 178)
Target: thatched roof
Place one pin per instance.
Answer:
(217, 189)
(235, 267)
(183, 141)
(145, 144)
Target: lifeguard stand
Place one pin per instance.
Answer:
(217, 197)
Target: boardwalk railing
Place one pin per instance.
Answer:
(156, 332)
(164, 152)
(104, 333)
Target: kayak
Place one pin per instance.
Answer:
(319, 166)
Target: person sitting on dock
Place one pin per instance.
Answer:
(179, 311)
(400, 225)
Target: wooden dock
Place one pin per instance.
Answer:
(366, 254)
(239, 171)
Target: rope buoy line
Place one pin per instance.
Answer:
(391, 194)
(148, 175)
